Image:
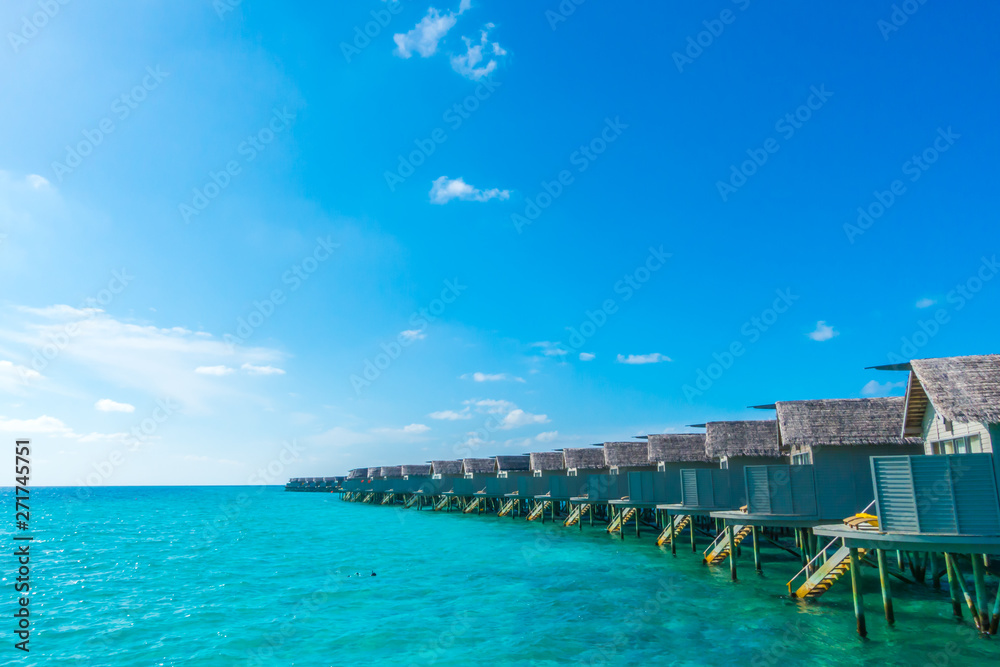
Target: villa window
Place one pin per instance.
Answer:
(802, 459)
(968, 444)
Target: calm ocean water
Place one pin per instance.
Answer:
(161, 576)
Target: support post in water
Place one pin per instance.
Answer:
(756, 550)
(956, 600)
(883, 576)
(732, 550)
(859, 600)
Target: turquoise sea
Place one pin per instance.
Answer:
(258, 576)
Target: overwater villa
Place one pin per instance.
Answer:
(581, 463)
(913, 476)
(507, 470)
(541, 465)
(830, 444)
(660, 483)
(736, 444)
(942, 506)
(605, 492)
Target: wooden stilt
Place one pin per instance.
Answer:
(982, 602)
(638, 515)
(673, 538)
(732, 551)
(756, 550)
(883, 577)
(859, 601)
(961, 584)
(691, 526)
(935, 571)
(995, 623)
(899, 561)
(956, 603)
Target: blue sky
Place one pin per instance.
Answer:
(261, 239)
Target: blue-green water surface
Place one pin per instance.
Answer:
(258, 576)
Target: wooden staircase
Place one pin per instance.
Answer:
(819, 582)
(720, 549)
(507, 507)
(472, 507)
(368, 498)
(576, 514)
(538, 509)
(388, 498)
(677, 524)
(409, 503)
(620, 520)
(441, 504)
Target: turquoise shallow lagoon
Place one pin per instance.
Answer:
(161, 576)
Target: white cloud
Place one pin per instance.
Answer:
(652, 358)
(44, 424)
(506, 413)
(518, 417)
(37, 182)
(444, 189)
(550, 349)
(587, 356)
(470, 64)
(14, 377)
(823, 332)
(416, 428)
(214, 370)
(424, 37)
(491, 377)
(107, 405)
(547, 436)
(262, 370)
(411, 335)
(451, 415)
(925, 303)
(873, 388)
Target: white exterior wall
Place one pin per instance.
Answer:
(934, 430)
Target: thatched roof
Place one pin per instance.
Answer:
(391, 471)
(419, 469)
(626, 454)
(446, 467)
(848, 421)
(742, 438)
(962, 389)
(547, 461)
(374, 472)
(358, 473)
(512, 463)
(479, 466)
(585, 458)
(677, 447)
